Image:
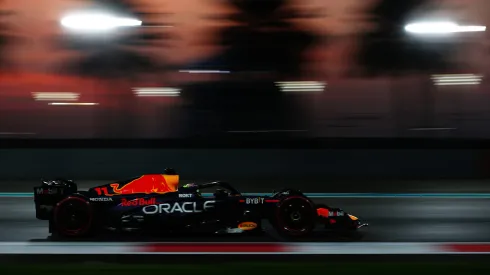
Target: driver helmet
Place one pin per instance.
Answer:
(169, 171)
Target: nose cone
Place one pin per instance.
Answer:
(356, 220)
(352, 217)
(361, 225)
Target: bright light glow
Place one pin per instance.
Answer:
(55, 96)
(301, 86)
(97, 22)
(74, 103)
(456, 79)
(15, 133)
(266, 131)
(155, 91)
(441, 28)
(432, 129)
(204, 71)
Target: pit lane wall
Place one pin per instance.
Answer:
(229, 164)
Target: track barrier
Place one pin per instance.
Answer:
(81, 248)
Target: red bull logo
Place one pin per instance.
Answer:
(148, 184)
(138, 202)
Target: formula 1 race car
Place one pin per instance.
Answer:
(155, 203)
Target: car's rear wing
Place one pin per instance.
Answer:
(49, 193)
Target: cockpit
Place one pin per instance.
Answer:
(218, 189)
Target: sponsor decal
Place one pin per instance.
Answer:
(49, 191)
(247, 226)
(138, 202)
(177, 207)
(100, 199)
(254, 200)
(323, 212)
(336, 213)
(186, 195)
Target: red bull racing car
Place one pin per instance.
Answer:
(154, 203)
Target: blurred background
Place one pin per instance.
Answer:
(309, 68)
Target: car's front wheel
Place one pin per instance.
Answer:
(295, 217)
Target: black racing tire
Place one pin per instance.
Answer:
(73, 217)
(296, 217)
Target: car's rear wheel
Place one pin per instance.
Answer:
(73, 217)
(295, 217)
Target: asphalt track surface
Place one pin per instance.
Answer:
(434, 216)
